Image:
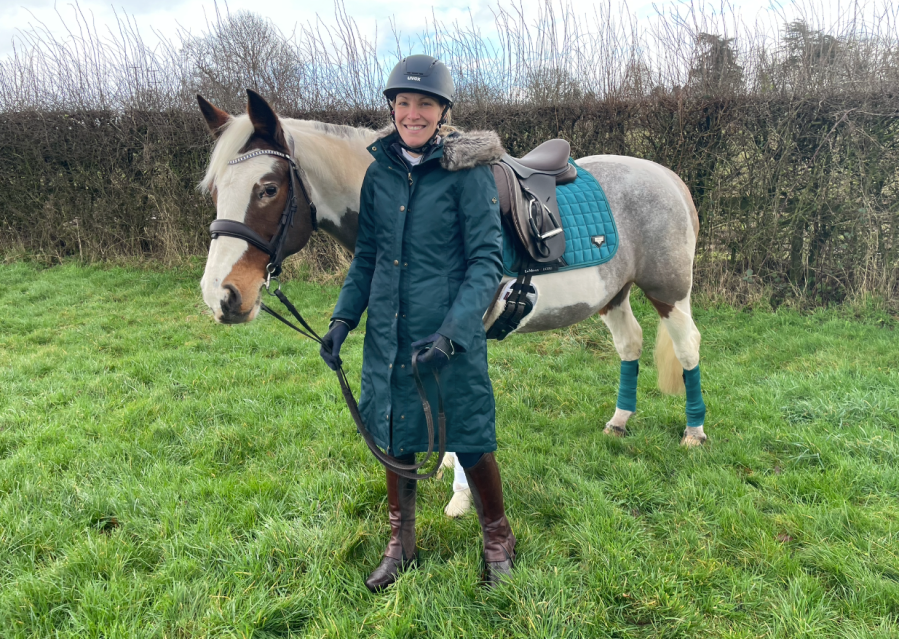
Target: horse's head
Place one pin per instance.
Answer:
(254, 185)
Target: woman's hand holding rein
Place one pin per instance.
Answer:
(439, 350)
(331, 343)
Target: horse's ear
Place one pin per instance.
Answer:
(215, 117)
(264, 119)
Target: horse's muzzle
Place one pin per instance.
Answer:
(231, 307)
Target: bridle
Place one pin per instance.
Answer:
(275, 251)
(274, 248)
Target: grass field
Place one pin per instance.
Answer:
(163, 476)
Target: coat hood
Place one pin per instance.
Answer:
(462, 149)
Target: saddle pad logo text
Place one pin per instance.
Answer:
(598, 240)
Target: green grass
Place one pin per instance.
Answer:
(163, 476)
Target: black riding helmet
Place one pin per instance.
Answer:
(421, 74)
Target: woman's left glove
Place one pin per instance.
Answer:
(438, 355)
(331, 343)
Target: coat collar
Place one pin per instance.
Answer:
(458, 150)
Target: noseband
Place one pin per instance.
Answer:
(275, 247)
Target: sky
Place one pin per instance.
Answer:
(166, 17)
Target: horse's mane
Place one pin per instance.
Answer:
(305, 133)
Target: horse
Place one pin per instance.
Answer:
(260, 160)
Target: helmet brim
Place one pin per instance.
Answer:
(392, 92)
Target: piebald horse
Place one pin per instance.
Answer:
(654, 212)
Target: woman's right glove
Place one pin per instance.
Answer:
(331, 343)
(438, 353)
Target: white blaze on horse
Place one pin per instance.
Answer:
(252, 182)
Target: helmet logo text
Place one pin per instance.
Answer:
(412, 77)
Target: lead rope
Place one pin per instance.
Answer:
(409, 471)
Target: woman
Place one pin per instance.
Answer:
(428, 260)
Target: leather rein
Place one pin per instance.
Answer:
(275, 251)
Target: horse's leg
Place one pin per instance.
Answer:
(461, 500)
(628, 338)
(679, 336)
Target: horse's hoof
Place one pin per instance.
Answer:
(691, 441)
(459, 504)
(614, 431)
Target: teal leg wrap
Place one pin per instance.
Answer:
(627, 386)
(695, 405)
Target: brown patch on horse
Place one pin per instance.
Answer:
(264, 212)
(246, 278)
(618, 300)
(662, 308)
(264, 215)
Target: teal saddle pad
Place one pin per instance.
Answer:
(591, 237)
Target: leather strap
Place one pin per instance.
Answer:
(409, 471)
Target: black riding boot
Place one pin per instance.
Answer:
(499, 542)
(400, 553)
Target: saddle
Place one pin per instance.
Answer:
(530, 211)
(527, 201)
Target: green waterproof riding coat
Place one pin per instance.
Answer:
(428, 260)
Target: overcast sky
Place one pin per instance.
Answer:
(166, 16)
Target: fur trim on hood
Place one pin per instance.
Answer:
(463, 149)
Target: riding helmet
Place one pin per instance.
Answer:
(421, 74)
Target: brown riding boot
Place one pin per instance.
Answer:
(499, 542)
(400, 553)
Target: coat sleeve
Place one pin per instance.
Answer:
(482, 235)
(353, 299)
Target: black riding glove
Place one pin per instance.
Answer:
(439, 351)
(331, 343)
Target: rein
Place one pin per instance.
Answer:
(275, 250)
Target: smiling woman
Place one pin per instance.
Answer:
(427, 261)
(420, 92)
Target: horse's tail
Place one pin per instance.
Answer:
(671, 373)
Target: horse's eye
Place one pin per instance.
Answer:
(270, 190)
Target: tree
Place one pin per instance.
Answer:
(809, 56)
(714, 69)
(243, 51)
